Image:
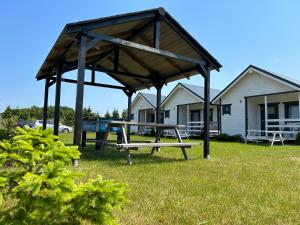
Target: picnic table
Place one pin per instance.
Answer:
(257, 135)
(136, 145)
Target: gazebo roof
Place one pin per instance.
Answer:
(131, 37)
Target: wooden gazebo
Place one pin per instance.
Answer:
(139, 50)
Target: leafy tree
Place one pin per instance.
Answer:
(38, 187)
(8, 113)
(33, 113)
(115, 114)
(107, 115)
(69, 118)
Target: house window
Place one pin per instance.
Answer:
(167, 113)
(211, 115)
(132, 116)
(291, 110)
(226, 109)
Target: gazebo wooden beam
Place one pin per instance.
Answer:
(94, 84)
(72, 66)
(121, 82)
(144, 39)
(125, 70)
(141, 63)
(132, 45)
(156, 33)
(138, 32)
(77, 27)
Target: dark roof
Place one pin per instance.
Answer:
(138, 28)
(286, 79)
(150, 98)
(194, 89)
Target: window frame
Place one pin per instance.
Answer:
(211, 115)
(226, 113)
(286, 108)
(167, 112)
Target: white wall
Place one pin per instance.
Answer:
(179, 97)
(139, 104)
(251, 84)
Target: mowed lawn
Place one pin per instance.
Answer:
(241, 184)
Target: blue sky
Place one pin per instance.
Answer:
(238, 33)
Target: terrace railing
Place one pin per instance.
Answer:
(196, 127)
(289, 127)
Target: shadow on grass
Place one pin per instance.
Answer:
(114, 156)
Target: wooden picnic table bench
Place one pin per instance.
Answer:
(136, 145)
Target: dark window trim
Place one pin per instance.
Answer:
(167, 111)
(195, 111)
(211, 118)
(229, 110)
(286, 105)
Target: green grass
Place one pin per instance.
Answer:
(241, 184)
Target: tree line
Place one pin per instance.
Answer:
(67, 114)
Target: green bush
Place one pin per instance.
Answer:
(226, 137)
(3, 134)
(37, 185)
(297, 141)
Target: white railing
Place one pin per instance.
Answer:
(196, 127)
(289, 127)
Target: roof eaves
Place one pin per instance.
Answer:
(262, 71)
(276, 76)
(228, 86)
(180, 84)
(163, 102)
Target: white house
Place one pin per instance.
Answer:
(185, 105)
(143, 110)
(260, 100)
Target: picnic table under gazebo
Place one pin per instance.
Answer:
(139, 50)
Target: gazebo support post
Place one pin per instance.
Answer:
(57, 100)
(129, 95)
(93, 76)
(45, 109)
(79, 92)
(157, 114)
(206, 115)
(205, 72)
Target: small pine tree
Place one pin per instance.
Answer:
(37, 186)
(107, 115)
(115, 114)
(124, 114)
